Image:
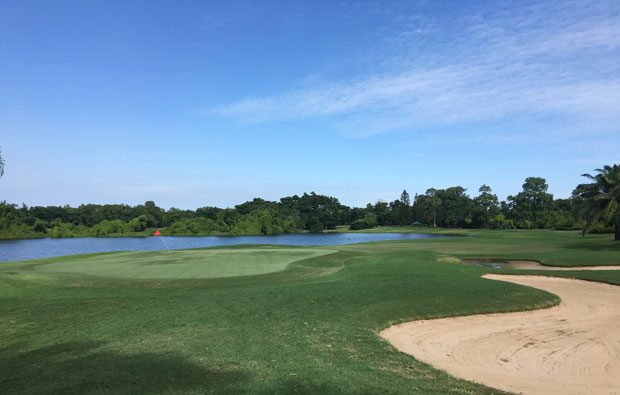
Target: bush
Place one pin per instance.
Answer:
(500, 222)
(61, 230)
(524, 224)
(40, 226)
(576, 227)
(180, 228)
(140, 223)
(599, 228)
(368, 222)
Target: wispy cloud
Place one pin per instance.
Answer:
(554, 60)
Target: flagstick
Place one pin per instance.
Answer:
(157, 233)
(164, 240)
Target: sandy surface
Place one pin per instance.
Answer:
(573, 348)
(532, 265)
(537, 266)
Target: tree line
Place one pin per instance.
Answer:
(593, 207)
(309, 212)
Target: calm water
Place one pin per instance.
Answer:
(496, 265)
(17, 250)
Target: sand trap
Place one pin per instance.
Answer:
(573, 348)
(533, 265)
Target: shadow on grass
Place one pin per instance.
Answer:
(598, 245)
(301, 386)
(78, 368)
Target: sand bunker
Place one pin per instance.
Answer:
(573, 348)
(530, 265)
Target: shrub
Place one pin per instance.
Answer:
(40, 226)
(61, 230)
(140, 223)
(368, 222)
(500, 222)
(600, 228)
(576, 227)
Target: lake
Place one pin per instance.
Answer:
(17, 250)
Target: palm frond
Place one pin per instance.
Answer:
(588, 176)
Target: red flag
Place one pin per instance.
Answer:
(157, 233)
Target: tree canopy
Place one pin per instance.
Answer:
(593, 207)
(601, 198)
(533, 202)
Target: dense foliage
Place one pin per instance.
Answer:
(593, 207)
(310, 212)
(601, 198)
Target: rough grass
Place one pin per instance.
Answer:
(310, 328)
(552, 248)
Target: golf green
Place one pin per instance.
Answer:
(185, 264)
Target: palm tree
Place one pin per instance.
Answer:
(602, 197)
(1, 166)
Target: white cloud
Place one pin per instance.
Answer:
(543, 61)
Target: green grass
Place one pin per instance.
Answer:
(309, 323)
(184, 264)
(404, 229)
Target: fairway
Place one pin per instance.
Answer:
(184, 264)
(262, 319)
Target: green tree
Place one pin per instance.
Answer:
(404, 198)
(602, 197)
(533, 203)
(139, 224)
(368, 222)
(432, 203)
(402, 209)
(316, 212)
(486, 207)
(381, 210)
(39, 226)
(455, 209)
(154, 213)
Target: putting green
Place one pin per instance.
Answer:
(183, 264)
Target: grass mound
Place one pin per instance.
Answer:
(183, 264)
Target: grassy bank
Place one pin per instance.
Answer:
(302, 320)
(405, 229)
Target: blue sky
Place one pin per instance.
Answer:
(213, 103)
